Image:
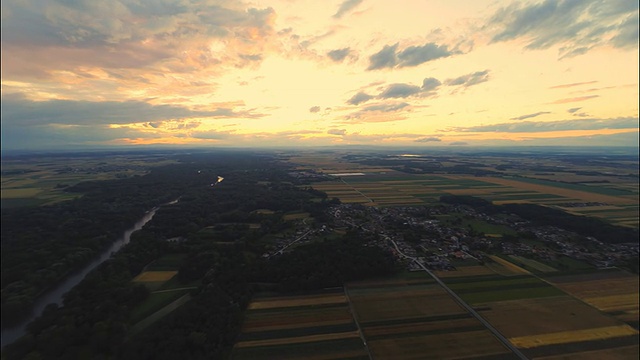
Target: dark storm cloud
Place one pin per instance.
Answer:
(576, 25)
(528, 116)
(469, 79)
(18, 111)
(339, 54)
(562, 125)
(345, 7)
(359, 98)
(389, 57)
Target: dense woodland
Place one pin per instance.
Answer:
(95, 319)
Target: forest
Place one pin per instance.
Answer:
(95, 321)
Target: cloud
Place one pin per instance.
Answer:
(528, 116)
(181, 36)
(428, 139)
(627, 36)
(385, 58)
(561, 125)
(388, 57)
(575, 26)
(574, 99)
(458, 143)
(19, 111)
(380, 112)
(416, 55)
(314, 109)
(572, 84)
(55, 136)
(339, 54)
(575, 112)
(399, 91)
(345, 7)
(386, 107)
(340, 132)
(469, 79)
(359, 98)
(430, 84)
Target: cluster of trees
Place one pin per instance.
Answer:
(326, 264)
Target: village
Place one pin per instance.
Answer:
(420, 233)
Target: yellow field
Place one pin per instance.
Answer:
(626, 302)
(602, 287)
(298, 301)
(572, 336)
(299, 339)
(149, 276)
(583, 195)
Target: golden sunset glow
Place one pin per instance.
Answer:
(297, 73)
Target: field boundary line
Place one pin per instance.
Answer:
(508, 344)
(358, 191)
(355, 319)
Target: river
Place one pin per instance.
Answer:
(56, 294)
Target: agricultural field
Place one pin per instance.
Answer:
(614, 198)
(533, 264)
(540, 318)
(27, 182)
(410, 319)
(315, 326)
(397, 189)
(167, 292)
(613, 292)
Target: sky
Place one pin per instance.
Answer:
(95, 73)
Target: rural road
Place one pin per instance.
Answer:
(462, 303)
